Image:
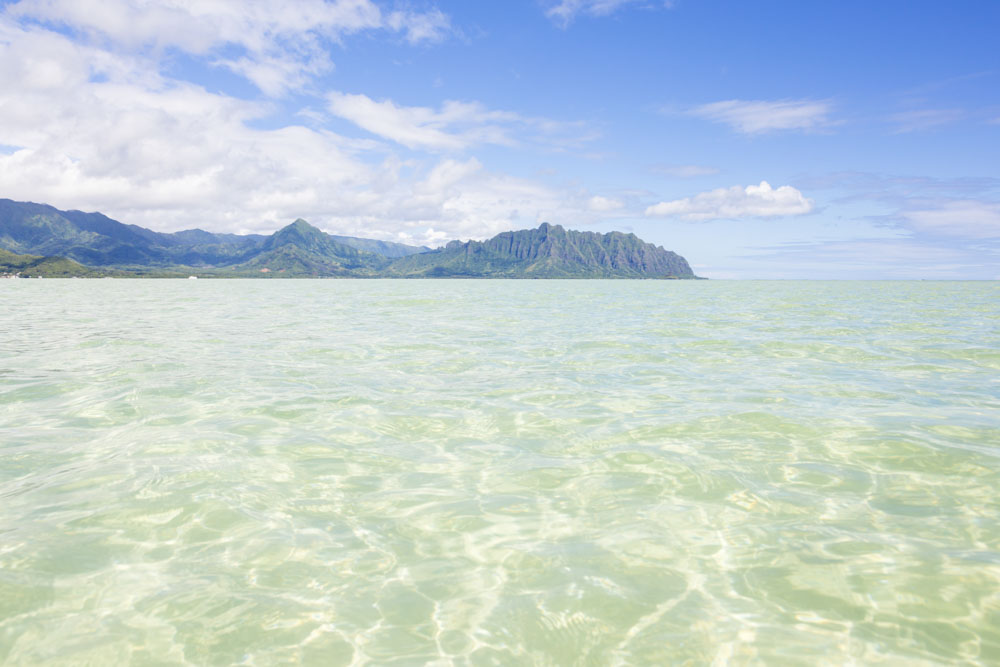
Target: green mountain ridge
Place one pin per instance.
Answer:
(96, 240)
(91, 240)
(301, 249)
(550, 251)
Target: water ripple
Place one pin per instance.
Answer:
(499, 472)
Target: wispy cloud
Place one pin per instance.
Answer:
(758, 116)
(685, 170)
(863, 258)
(455, 126)
(925, 119)
(563, 12)
(896, 189)
(966, 218)
(275, 74)
(752, 201)
(921, 206)
(429, 26)
(604, 204)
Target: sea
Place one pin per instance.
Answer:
(499, 472)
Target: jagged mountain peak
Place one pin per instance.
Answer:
(301, 227)
(548, 251)
(302, 234)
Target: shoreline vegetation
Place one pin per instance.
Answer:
(39, 241)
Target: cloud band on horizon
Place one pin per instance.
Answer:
(752, 201)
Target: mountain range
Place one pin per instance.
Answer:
(42, 240)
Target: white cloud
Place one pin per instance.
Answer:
(275, 75)
(470, 202)
(196, 26)
(279, 45)
(455, 126)
(604, 204)
(752, 201)
(431, 26)
(926, 119)
(563, 12)
(97, 130)
(757, 116)
(965, 218)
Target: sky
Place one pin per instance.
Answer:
(768, 139)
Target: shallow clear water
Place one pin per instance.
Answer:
(499, 472)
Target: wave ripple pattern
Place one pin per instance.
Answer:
(499, 472)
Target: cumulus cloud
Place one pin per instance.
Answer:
(455, 126)
(965, 218)
(278, 46)
(562, 12)
(89, 120)
(758, 116)
(752, 201)
(82, 127)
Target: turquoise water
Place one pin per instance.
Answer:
(499, 472)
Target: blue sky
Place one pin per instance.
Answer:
(760, 140)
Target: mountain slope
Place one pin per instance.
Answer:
(384, 248)
(547, 252)
(97, 240)
(301, 249)
(34, 266)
